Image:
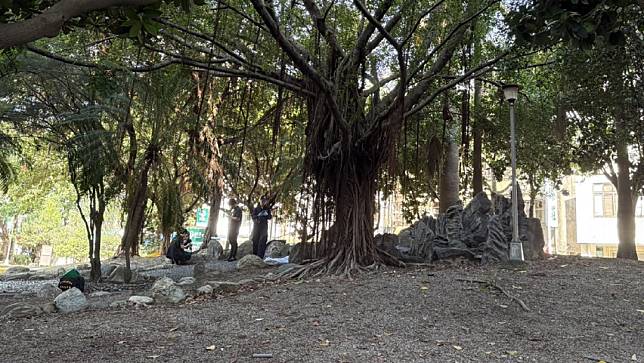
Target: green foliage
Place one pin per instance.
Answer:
(580, 23)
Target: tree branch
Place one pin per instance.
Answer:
(50, 22)
(319, 21)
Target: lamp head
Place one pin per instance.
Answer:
(510, 92)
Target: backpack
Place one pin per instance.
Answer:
(72, 279)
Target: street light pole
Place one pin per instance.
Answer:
(511, 93)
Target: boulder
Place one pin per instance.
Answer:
(165, 290)
(214, 249)
(301, 252)
(244, 249)
(118, 303)
(20, 310)
(49, 308)
(184, 281)
(107, 269)
(60, 271)
(118, 275)
(250, 261)
(140, 300)
(205, 290)
(277, 248)
(387, 242)
(70, 301)
(42, 276)
(48, 291)
(17, 276)
(17, 270)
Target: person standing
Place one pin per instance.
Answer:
(261, 214)
(234, 223)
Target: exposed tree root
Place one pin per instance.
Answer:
(339, 266)
(502, 290)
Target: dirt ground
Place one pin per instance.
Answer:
(581, 310)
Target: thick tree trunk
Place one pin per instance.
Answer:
(625, 206)
(449, 182)
(477, 159)
(348, 245)
(136, 213)
(213, 216)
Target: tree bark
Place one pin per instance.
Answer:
(50, 21)
(449, 179)
(95, 260)
(477, 157)
(213, 216)
(136, 212)
(625, 205)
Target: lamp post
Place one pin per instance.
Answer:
(511, 93)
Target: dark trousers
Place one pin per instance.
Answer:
(232, 239)
(259, 242)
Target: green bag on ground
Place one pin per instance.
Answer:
(72, 278)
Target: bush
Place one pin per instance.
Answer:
(21, 260)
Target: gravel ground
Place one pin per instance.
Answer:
(580, 310)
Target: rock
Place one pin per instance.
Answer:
(42, 276)
(387, 242)
(441, 253)
(20, 310)
(205, 290)
(184, 281)
(301, 252)
(48, 291)
(454, 225)
(140, 300)
(165, 290)
(84, 266)
(250, 261)
(17, 270)
(118, 275)
(497, 246)
(107, 269)
(224, 286)
(118, 304)
(49, 308)
(277, 248)
(17, 276)
(99, 294)
(245, 249)
(70, 301)
(214, 249)
(60, 272)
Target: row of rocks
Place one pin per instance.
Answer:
(480, 231)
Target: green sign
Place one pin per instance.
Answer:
(202, 216)
(196, 235)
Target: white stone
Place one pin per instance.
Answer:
(250, 261)
(205, 290)
(140, 300)
(165, 290)
(70, 301)
(186, 281)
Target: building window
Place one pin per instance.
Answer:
(604, 200)
(599, 252)
(639, 207)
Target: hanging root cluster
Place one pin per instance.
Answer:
(343, 160)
